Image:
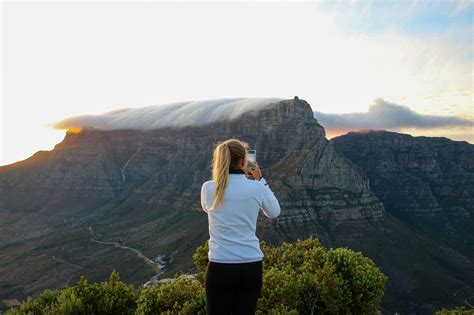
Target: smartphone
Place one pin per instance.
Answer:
(251, 158)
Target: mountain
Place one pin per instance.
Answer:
(427, 185)
(120, 198)
(426, 182)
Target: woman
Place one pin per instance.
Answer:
(232, 200)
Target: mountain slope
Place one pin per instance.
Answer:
(426, 182)
(140, 189)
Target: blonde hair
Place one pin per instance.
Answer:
(227, 155)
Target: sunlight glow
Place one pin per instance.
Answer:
(337, 55)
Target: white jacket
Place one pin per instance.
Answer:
(232, 225)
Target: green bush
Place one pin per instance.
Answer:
(298, 278)
(112, 297)
(37, 306)
(183, 296)
(306, 278)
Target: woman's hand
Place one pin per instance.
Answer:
(256, 173)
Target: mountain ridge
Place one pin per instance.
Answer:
(141, 188)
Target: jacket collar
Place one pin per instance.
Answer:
(239, 171)
(237, 174)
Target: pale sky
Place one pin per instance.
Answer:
(62, 59)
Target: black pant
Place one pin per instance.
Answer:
(233, 288)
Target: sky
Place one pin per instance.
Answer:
(403, 66)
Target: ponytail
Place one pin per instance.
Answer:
(226, 155)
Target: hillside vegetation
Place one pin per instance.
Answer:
(298, 278)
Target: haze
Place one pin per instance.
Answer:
(359, 64)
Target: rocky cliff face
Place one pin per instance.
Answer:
(427, 182)
(141, 189)
(421, 176)
(166, 167)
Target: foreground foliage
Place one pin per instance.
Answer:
(112, 297)
(298, 278)
(306, 278)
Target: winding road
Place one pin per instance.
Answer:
(156, 266)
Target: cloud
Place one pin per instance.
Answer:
(462, 6)
(179, 114)
(386, 115)
(381, 115)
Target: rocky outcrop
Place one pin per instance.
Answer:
(427, 182)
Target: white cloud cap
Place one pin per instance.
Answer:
(179, 114)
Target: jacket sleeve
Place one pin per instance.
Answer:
(204, 196)
(270, 205)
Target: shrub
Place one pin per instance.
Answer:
(37, 306)
(183, 296)
(112, 297)
(306, 278)
(298, 278)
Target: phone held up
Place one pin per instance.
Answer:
(251, 158)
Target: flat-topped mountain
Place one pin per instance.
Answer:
(104, 194)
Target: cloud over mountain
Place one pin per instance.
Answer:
(179, 114)
(381, 115)
(386, 115)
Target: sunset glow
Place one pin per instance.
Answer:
(339, 56)
(74, 130)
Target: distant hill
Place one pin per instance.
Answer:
(427, 185)
(67, 211)
(426, 182)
